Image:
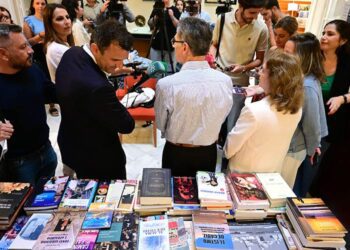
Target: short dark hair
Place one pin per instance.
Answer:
(307, 47)
(196, 33)
(71, 5)
(5, 30)
(271, 3)
(343, 29)
(111, 31)
(289, 24)
(247, 4)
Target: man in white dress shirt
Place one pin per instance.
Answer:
(192, 104)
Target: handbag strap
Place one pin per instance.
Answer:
(222, 22)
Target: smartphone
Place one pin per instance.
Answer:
(230, 68)
(316, 159)
(239, 91)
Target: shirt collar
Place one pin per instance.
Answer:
(191, 65)
(86, 48)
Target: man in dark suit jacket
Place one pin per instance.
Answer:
(92, 116)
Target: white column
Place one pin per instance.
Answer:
(323, 11)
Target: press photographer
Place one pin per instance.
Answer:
(98, 11)
(194, 8)
(163, 22)
(120, 11)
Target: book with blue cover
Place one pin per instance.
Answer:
(11, 234)
(78, 194)
(47, 193)
(30, 232)
(154, 234)
(257, 235)
(98, 220)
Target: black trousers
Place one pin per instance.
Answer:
(185, 161)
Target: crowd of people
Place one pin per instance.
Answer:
(299, 126)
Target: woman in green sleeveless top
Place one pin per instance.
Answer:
(332, 183)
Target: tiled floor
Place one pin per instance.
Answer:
(138, 147)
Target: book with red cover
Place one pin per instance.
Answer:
(185, 191)
(247, 187)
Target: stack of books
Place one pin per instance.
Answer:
(290, 236)
(154, 194)
(13, 195)
(47, 195)
(211, 230)
(212, 191)
(185, 196)
(276, 189)
(315, 224)
(249, 198)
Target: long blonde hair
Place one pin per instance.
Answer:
(286, 81)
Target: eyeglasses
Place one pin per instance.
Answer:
(173, 41)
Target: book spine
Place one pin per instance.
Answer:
(286, 233)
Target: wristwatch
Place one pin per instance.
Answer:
(345, 99)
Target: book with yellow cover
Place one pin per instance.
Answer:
(315, 218)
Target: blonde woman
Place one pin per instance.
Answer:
(261, 137)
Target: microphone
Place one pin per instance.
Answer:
(155, 70)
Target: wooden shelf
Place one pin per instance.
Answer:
(284, 8)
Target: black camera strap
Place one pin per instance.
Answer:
(222, 22)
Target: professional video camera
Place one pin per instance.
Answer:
(193, 7)
(158, 8)
(226, 7)
(115, 8)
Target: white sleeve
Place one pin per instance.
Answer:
(241, 132)
(80, 35)
(162, 106)
(54, 54)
